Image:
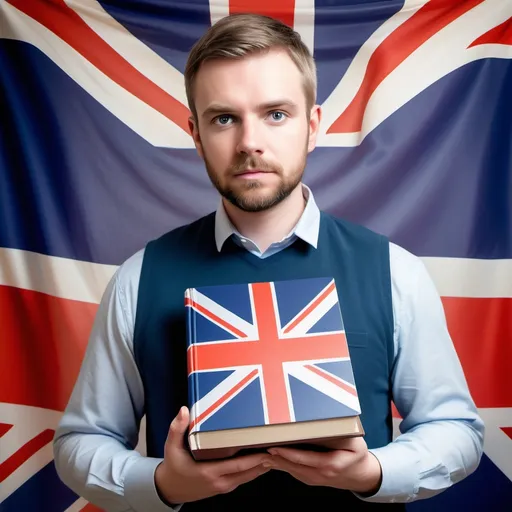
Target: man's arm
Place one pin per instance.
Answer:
(441, 439)
(94, 446)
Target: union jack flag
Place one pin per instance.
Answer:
(96, 160)
(292, 333)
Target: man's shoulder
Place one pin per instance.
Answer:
(127, 275)
(131, 267)
(407, 271)
(402, 261)
(194, 228)
(351, 228)
(401, 257)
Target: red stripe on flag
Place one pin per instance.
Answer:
(91, 508)
(24, 453)
(508, 431)
(482, 334)
(47, 339)
(310, 308)
(4, 428)
(224, 398)
(331, 378)
(282, 10)
(215, 318)
(56, 16)
(502, 34)
(421, 26)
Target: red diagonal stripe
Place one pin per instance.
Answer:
(427, 21)
(311, 307)
(269, 351)
(224, 398)
(56, 16)
(47, 339)
(508, 431)
(4, 428)
(282, 10)
(215, 318)
(24, 453)
(91, 508)
(502, 34)
(333, 379)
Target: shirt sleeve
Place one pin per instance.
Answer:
(441, 434)
(95, 443)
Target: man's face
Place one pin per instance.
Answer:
(253, 129)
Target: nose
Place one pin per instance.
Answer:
(250, 141)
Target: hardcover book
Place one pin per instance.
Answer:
(268, 365)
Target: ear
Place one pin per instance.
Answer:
(314, 125)
(194, 131)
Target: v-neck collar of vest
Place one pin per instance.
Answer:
(298, 245)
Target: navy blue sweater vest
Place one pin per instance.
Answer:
(357, 258)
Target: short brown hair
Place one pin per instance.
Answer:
(238, 35)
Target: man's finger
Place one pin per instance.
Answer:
(178, 428)
(304, 457)
(234, 480)
(350, 444)
(305, 474)
(240, 464)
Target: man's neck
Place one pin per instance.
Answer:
(269, 226)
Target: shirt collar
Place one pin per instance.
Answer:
(307, 228)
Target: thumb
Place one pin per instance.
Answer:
(178, 428)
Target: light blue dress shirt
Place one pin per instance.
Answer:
(441, 439)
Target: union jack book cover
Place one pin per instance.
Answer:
(268, 364)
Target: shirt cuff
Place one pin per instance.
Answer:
(400, 481)
(140, 489)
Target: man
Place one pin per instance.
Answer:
(251, 86)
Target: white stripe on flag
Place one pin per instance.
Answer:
(218, 392)
(29, 468)
(313, 316)
(133, 50)
(497, 444)
(77, 505)
(224, 314)
(323, 385)
(460, 277)
(426, 65)
(60, 277)
(340, 98)
(84, 281)
(304, 22)
(144, 120)
(27, 423)
(218, 9)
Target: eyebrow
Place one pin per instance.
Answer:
(217, 108)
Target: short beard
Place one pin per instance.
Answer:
(247, 203)
(258, 204)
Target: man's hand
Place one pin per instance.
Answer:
(180, 479)
(352, 467)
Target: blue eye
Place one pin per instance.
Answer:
(223, 120)
(277, 115)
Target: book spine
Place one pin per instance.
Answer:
(191, 363)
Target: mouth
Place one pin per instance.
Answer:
(251, 173)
